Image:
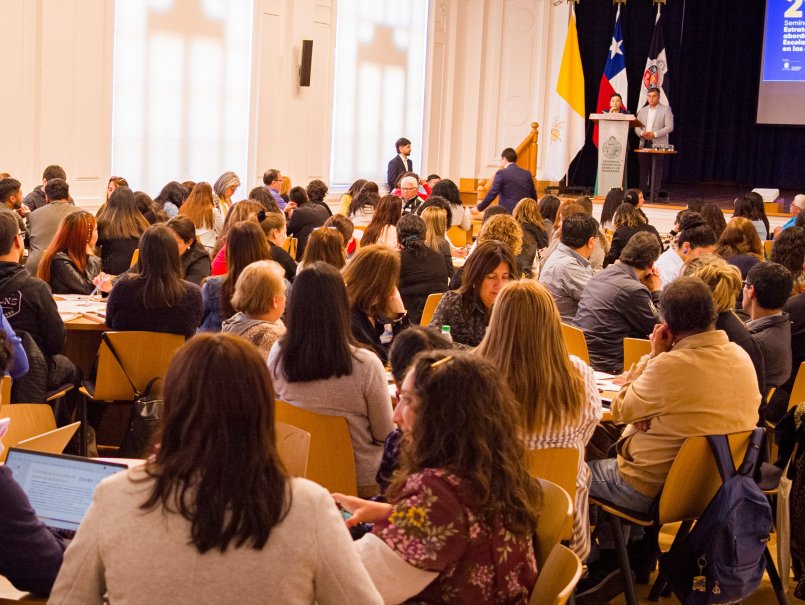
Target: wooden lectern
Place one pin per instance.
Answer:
(613, 140)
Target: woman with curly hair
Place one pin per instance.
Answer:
(382, 228)
(628, 221)
(462, 508)
(556, 395)
(316, 192)
(789, 251)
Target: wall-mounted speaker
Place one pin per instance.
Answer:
(307, 59)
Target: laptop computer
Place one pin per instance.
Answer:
(53, 441)
(59, 487)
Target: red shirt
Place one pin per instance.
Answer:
(219, 262)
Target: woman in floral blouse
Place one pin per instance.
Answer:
(463, 508)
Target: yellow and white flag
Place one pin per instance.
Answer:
(566, 110)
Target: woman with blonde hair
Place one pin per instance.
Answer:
(556, 394)
(740, 245)
(259, 300)
(435, 219)
(382, 228)
(725, 283)
(327, 245)
(376, 304)
(200, 207)
(224, 189)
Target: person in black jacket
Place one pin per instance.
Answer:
(68, 264)
(195, 259)
(120, 226)
(28, 304)
(628, 221)
(156, 299)
(304, 218)
(422, 269)
(273, 226)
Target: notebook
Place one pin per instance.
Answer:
(53, 441)
(59, 487)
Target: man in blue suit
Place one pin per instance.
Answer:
(511, 183)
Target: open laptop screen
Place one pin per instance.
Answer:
(59, 487)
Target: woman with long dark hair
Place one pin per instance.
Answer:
(325, 244)
(383, 227)
(746, 207)
(155, 298)
(363, 204)
(194, 257)
(213, 515)
(245, 244)
(171, 198)
(345, 200)
(119, 229)
(612, 201)
(320, 367)
(69, 264)
(459, 215)
(422, 269)
(628, 221)
(462, 508)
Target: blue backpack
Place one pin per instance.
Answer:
(722, 559)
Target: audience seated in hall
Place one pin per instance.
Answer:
(422, 270)
(628, 221)
(213, 511)
(467, 309)
(155, 298)
(376, 307)
(724, 281)
(766, 290)
(318, 365)
(69, 265)
(620, 302)
(558, 400)
(119, 229)
(695, 238)
(259, 300)
(195, 260)
(462, 505)
(663, 403)
(789, 251)
(45, 220)
(304, 218)
(568, 269)
(245, 244)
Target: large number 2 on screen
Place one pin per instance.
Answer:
(794, 12)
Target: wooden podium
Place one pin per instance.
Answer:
(653, 153)
(613, 139)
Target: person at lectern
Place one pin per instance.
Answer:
(658, 123)
(616, 105)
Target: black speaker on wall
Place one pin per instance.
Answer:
(307, 59)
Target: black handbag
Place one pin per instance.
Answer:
(145, 419)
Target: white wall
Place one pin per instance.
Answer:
(489, 62)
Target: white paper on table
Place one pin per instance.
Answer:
(80, 306)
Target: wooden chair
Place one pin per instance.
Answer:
(430, 306)
(52, 442)
(135, 257)
(557, 578)
(576, 345)
(5, 390)
(633, 350)
(798, 390)
(290, 246)
(557, 509)
(27, 420)
(146, 355)
(684, 497)
(767, 247)
(459, 237)
(559, 465)
(331, 461)
(293, 445)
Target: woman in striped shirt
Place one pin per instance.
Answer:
(559, 402)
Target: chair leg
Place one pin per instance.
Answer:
(658, 589)
(626, 570)
(82, 429)
(771, 569)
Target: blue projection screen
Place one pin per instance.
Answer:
(781, 98)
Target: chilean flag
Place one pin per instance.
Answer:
(614, 78)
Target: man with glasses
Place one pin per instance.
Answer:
(511, 183)
(400, 163)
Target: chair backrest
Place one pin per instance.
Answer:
(293, 445)
(135, 256)
(430, 306)
(557, 508)
(576, 345)
(557, 578)
(687, 493)
(5, 390)
(559, 465)
(633, 350)
(27, 420)
(767, 247)
(331, 461)
(459, 237)
(290, 246)
(52, 442)
(798, 390)
(146, 355)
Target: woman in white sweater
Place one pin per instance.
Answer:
(212, 516)
(320, 367)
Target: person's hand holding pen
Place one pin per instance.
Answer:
(102, 283)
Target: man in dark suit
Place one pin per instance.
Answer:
(399, 164)
(511, 183)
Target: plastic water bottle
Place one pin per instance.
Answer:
(387, 335)
(446, 333)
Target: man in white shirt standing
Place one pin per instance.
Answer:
(658, 123)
